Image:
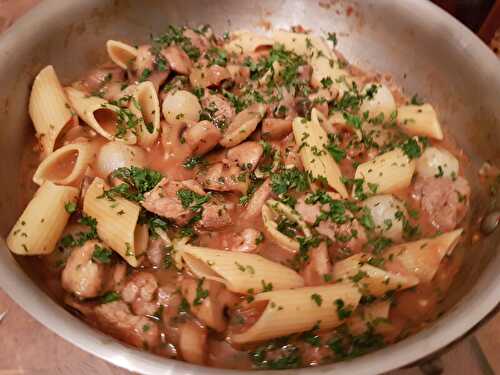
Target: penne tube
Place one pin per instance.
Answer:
(299, 310)
(302, 44)
(66, 165)
(420, 120)
(240, 272)
(372, 280)
(121, 53)
(386, 173)
(116, 221)
(423, 257)
(106, 119)
(48, 108)
(42, 222)
(146, 107)
(312, 139)
(245, 42)
(270, 211)
(375, 316)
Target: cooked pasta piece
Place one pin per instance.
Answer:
(243, 124)
(423, 257)
(375, 316)
(48, 108)
(372, 280)
(302, 44)
(270, 211)
(146, 107)
(312, 140)
(42, 222)
(299, 310)
(243, 41)
(116, 221)
(386, 173)
(121, 53)
(66, 165)
(382, 102)
(420, 120)
(240, 272)
(106, 119)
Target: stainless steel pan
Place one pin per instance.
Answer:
(422, 47)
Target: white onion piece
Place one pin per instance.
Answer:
(384, 209)
(181, 106)
(115, 155)
(437, 162)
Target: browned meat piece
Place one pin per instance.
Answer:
(276, 128)
(317, 266)
(208, 300)
(202, 137)
(222, 178)
(209, 76)
(214, 216)
(140, 292)
(81, 276)
(246, 241)
(97, 78)
(349, 235)
(221, 109)
(163, 201)
(258, 199)
(177, 59)
(145, 61)
(117, 319)
(197, 40)
(444, 201)
(246, 155)
(193, 342)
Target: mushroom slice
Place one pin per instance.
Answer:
(243, 124)
(271, 212)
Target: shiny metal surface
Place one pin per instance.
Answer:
(423, 48)
(490, 222)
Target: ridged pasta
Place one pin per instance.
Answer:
(42, 222)
(423, 257)
(299, 310)
(240, 272)
(371, 280)
(107, 122)
(48, 108)
(386, 173)
(420, 120)
(121, 53)
(312, 139)
(273, 208)
(146, 107)
(66, 165)
(116, 221)
(243, 41)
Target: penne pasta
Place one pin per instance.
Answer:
(48, 108)
(423, 257)
(372, 280)
(270, 211)
(312, 139)
(373, 316)
(116, 221)
(240, 272)
(146, 107)
(244, 42)
(386, 173)
(42, 222)
(106, 119)
(299, 310)
(302, 44)
(121, 53)
(420, 120)
(66, 165)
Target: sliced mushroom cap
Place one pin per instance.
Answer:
(243, 124)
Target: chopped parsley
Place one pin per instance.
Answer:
(70, 207)
(136, 182)
(289, 179)
(101, 254)
(317, 299)
(110, 297)
(190, 199)
(201, 293)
